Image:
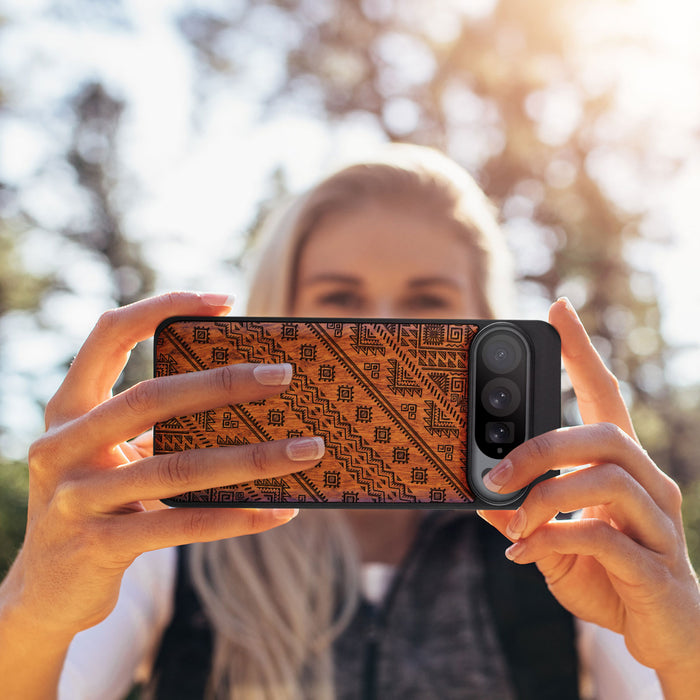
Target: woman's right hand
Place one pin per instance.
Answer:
(88, 513)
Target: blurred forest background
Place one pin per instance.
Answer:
(580, 119)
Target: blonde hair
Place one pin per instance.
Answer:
(277, 600)
(404, 175)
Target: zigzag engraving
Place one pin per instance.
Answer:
(344, 442)
(437, 423)
(457, 481)
(363, 342)
(442, 380)
(402, 382)
(253, 342)
(184, 348)
(275, 490)
(166, 366)
(173, 442)
(223, 440)
(408, 334)
(262, 435)
(447, 359)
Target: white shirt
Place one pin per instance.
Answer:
(104, 661)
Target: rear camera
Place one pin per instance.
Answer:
(500, 432)
(502, 353)
(500, 396)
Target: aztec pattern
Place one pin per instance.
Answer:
(389, 399)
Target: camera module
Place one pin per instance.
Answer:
(500, 389)
(515, 368)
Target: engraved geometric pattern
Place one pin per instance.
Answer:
(389, 399)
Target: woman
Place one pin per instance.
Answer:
(276, 602)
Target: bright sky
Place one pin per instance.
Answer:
(194, 189)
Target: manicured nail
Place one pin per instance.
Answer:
(499, 476)
(569, 306)
(285, 514)
(517, 525)
(515, 550)
(218, 300)
(273, 375)
(303, 449)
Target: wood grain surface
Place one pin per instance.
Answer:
(389, 399)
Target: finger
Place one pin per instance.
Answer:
(497, 518)
(138, 408)
(138, 448)
(142, 445)
(596, 388)
(618, 554)
(105, 352)
(141, 532)
(606, 486)
(165, 476)
(579, 445)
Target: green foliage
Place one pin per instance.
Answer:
(691, 521)
(19, 291)
(14, 484)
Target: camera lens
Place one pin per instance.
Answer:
(502, 353)
(499, 432)
(500, 396)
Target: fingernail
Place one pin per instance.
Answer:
(285, 514)
(273, 375)
(515, 550)
(218, 299)
(498, 477)
(569, 306)
(303, 449)
(517, 525)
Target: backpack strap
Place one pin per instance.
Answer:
(183, 664)
(536, 633)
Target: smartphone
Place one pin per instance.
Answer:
(414, 413)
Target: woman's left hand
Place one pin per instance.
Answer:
(623, 564)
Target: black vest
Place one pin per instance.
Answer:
(415, 646)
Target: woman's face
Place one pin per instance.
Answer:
(385, 261)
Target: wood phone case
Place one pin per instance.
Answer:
(389, 397)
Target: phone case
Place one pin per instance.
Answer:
(389, 397)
